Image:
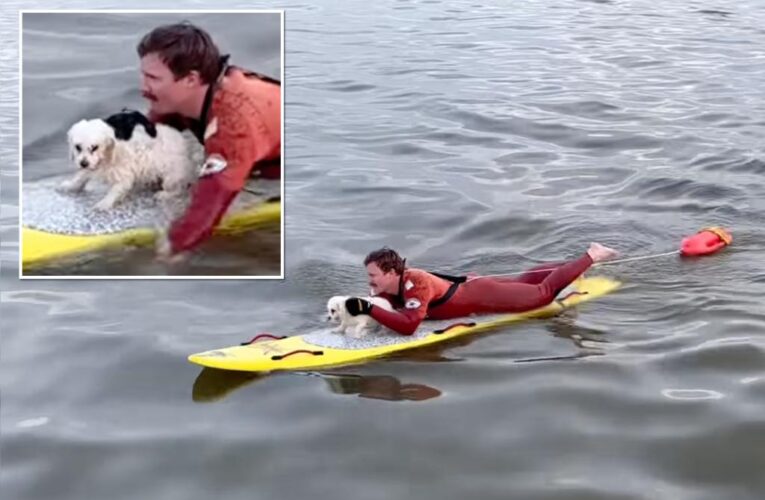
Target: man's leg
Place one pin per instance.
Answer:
(497, 295)
(537, 274)
(532, 276)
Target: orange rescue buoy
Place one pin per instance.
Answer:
(707, 241)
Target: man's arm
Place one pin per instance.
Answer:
(209, 202)
(403, 322)
(238, 147)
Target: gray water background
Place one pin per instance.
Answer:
(471, 137)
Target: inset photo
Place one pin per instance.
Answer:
(151, 144)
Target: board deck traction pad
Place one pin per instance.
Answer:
(58, 225)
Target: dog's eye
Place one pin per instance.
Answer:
(94, 148)
(77, 147)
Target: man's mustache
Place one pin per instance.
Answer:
(148, 96)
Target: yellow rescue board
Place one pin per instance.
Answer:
(295, 353)
(39, 247)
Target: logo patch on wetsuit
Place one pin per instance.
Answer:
(408, 285)
(213, 164)
(413, 304)
(212, 127)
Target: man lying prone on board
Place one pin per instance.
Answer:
(416, 295)
(235, 113)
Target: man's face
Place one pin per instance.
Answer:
(158, 85)
(380, 282)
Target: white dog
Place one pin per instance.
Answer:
(127, 151)
(355, 326)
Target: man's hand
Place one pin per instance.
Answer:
(356, 306)
(164, 250)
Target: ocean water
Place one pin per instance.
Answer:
(471, 137)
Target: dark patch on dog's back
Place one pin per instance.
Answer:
(126, 120)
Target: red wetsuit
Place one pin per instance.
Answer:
(240, 125)
(421, 294)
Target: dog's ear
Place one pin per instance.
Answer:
(109, 150)
(150, 128)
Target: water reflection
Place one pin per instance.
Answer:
(565, 327)
(383, 387)
(213, 385)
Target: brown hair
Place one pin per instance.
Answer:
(387, 260)
(184, 48)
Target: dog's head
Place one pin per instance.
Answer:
(336, 308)
(91, 143)
(125, 122)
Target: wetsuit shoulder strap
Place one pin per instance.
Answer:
(198, 127)
(260, 76)
(456, 282)
(447, 277)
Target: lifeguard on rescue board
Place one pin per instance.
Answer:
(234, 112)
(417, 295)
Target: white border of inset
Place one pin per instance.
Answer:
(149, 11)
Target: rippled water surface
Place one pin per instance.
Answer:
(470, 137)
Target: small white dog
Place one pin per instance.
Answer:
(127, 151)
(355, 326)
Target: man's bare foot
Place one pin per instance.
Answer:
(600, 253)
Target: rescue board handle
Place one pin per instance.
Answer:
(455, 325)
(263, 336)
(280, 357)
